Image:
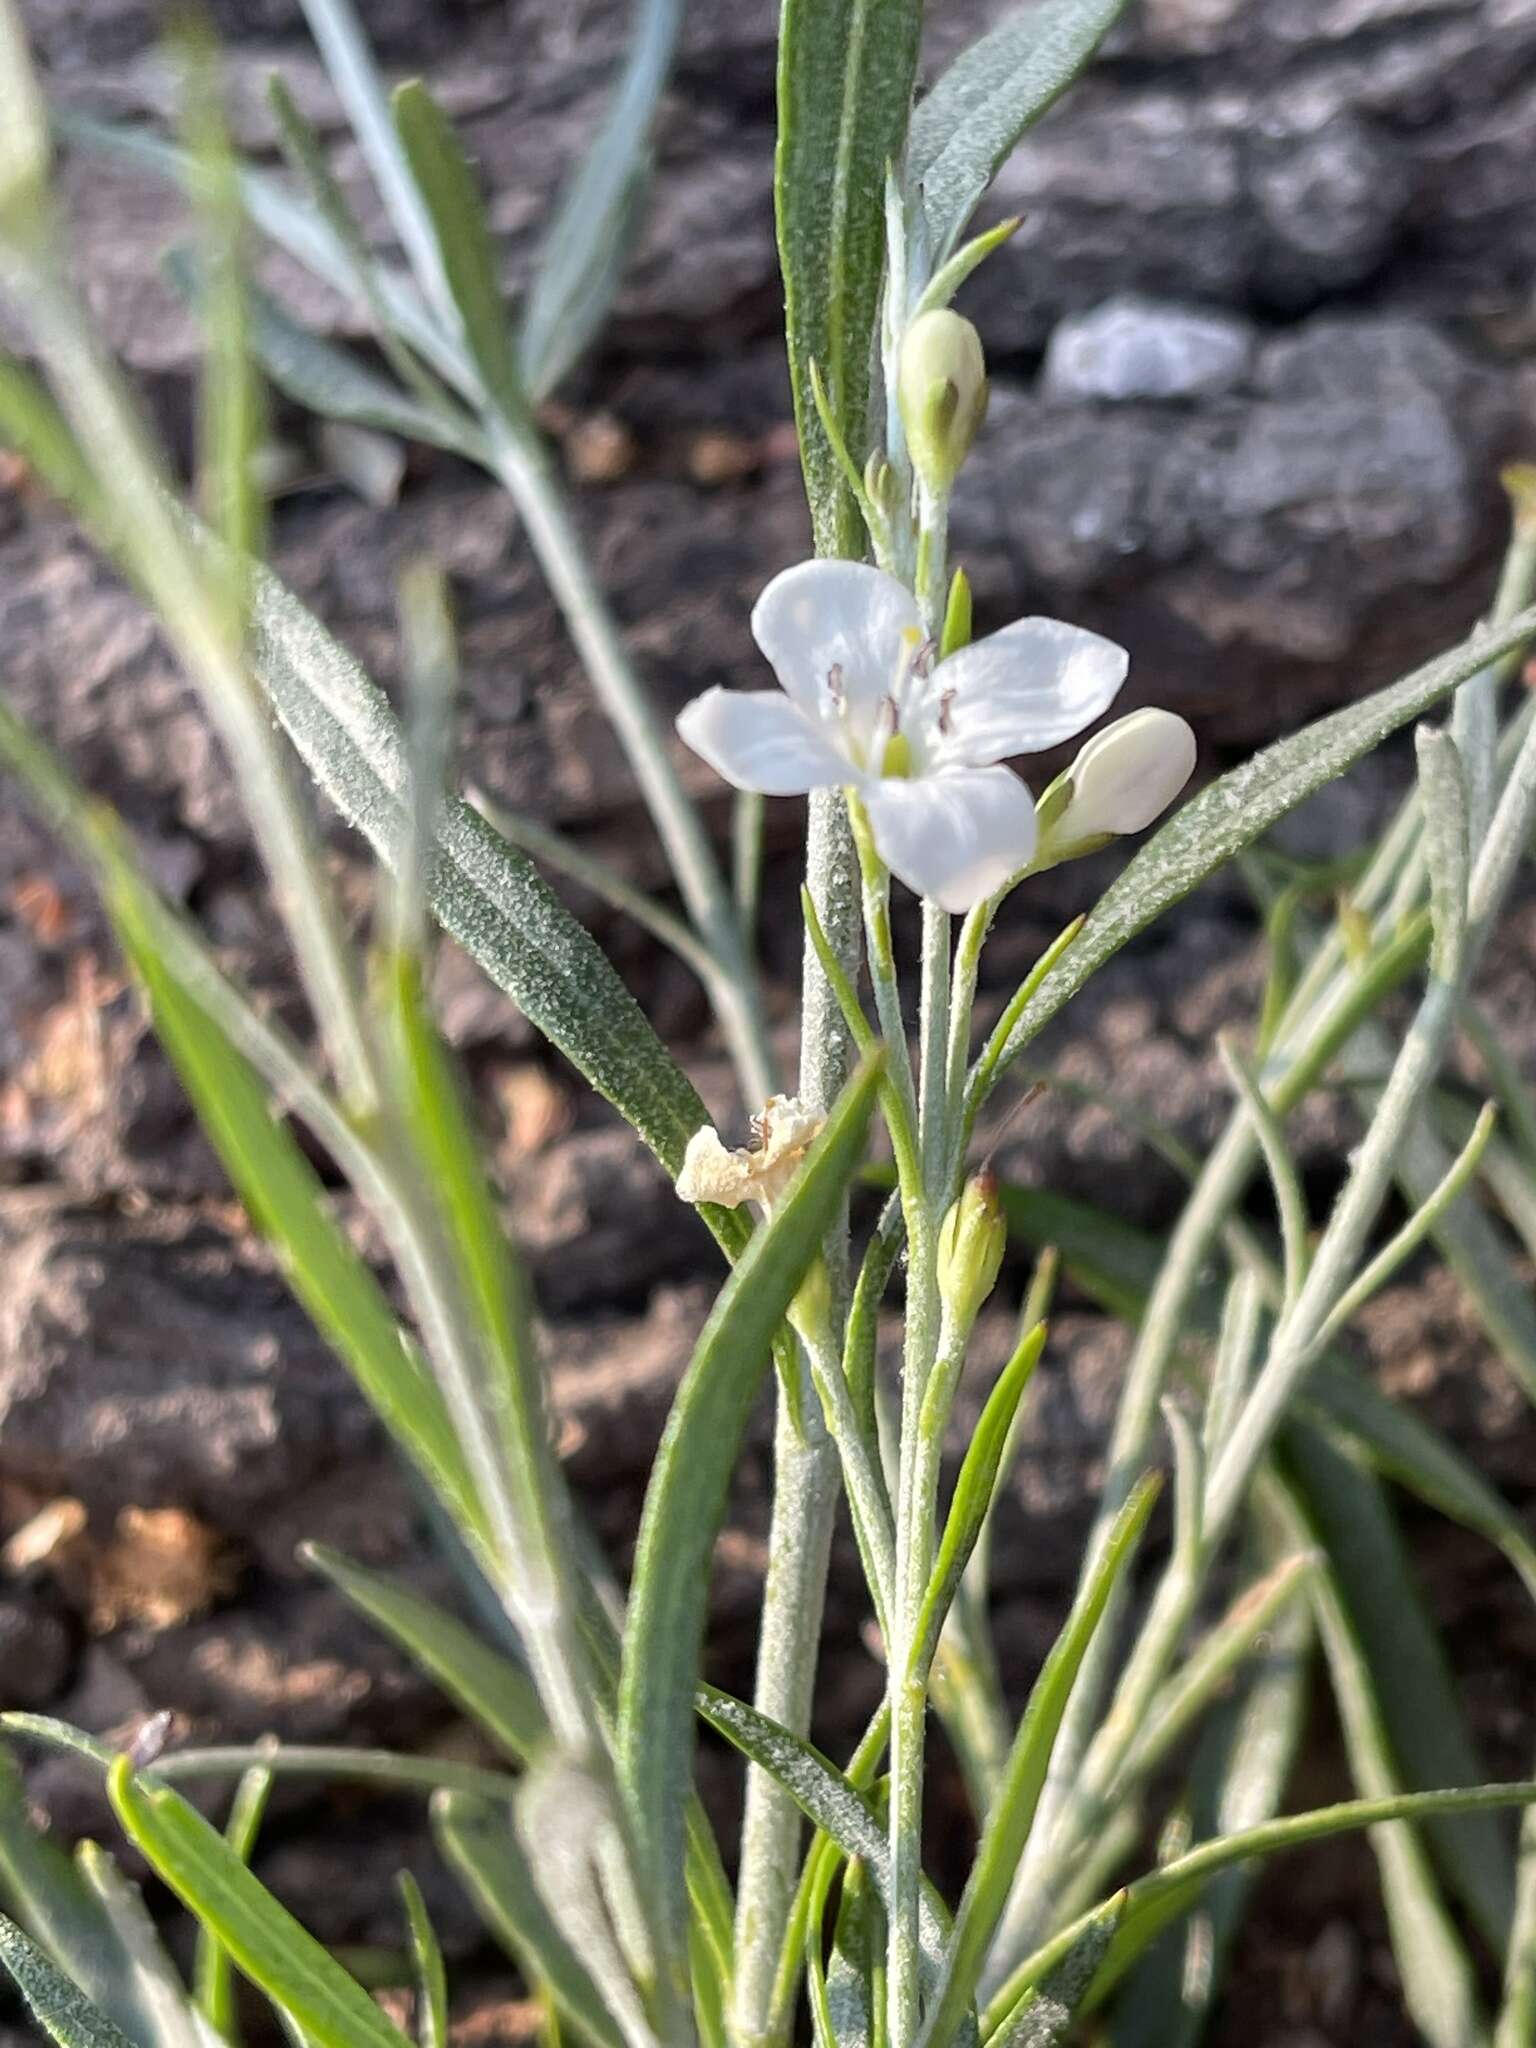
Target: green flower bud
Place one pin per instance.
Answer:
(941, 387)
(972, 1240)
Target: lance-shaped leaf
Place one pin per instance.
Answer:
(846, 71)
(486, 894)
(977, 111)
(591, 233)
(287, 1203)
(268, 1944)
(685, 1500)
(489, 1687)
(1156, 1900)
(1244, 803)
(1013, 1811)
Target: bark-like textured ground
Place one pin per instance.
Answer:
(1259, 349)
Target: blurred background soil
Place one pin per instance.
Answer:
(1259, 349)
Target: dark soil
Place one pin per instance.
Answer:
(1274, 520)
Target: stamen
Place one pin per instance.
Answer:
(836, 688)
(946, 699)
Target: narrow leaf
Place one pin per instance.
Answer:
(685, 1500)
(1241, 805)
(479, 1846)
(1050, 2012)
(58, 1909)
(60, 2008)
(174, 2020)
(268, 1944)
(846, 71)
(968, 125)
(1013, 1811)
(592, 231)
(490, 1688)
(465, 247)
(427, 1959)
(1158, 1898)
(488, 895)
(213, 1974)
(287, 1203)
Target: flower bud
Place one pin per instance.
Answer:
(941, 387)
(972, 1240)
(1125, 776)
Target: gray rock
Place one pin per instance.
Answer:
(1141, 348)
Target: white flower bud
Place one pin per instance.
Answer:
(941, 386)
(1126, 776)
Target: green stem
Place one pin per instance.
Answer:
(525, 472)
(806, 1477)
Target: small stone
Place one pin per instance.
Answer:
(600, 450)
(1131, 347)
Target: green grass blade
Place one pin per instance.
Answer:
(427, 1960)
(1384, 1620)
(465, 247)
(685, 1500)
(287, 1203)
(174, 2019)
(267, 1943)
(349, 63)
(45, 1891)
(592, 230)
(1238, 1780)
(967, 126)
(1154, 1901)
(338, 385)
(480, 1848)
(213, 1971)
(1438, 1981)
(487, 1686)
(487, 894)
(1239, 806)
(1013, 1811)
(60, 2008)
(846, 73)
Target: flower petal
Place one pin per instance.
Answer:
(758, 740)
(1127, 775)
(1029, 687)
(956, 836)
(821, 616)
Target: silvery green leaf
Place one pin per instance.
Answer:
(1439, 1985)
(846, 69)
(1045, 2021)
(60, 2008)
(591, 233)
(479, 1846)
(40, 1884)
(1241, 805)
(486, 894)
(1443, 799)
(965, 128)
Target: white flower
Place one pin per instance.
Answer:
(864, 705)
(782, 1132)
(1126, 776)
